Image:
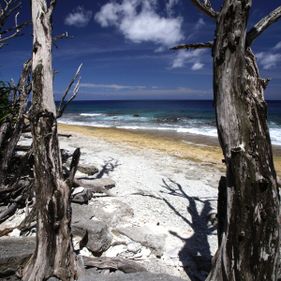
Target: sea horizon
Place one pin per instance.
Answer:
(81, 100)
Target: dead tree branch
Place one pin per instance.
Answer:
(64, 35)
(64, 103)
(5, 11)
(23, 88)
(263, 24)
(8, 212)
(194, 46)
(11, 6)
(73, 166)
(205, 7)
(51, 7)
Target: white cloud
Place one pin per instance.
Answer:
(110, 86)
(268, 59)
(139, 22)
(170, 6)
(183, 57)
(199, 24)
(197, 66)
(79, 17)
(195, 29)
(122, 91)
(277, 46)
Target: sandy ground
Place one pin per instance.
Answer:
(169, 183)
(197, 148)
(170, 194)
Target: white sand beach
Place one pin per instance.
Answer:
(171, 199)
(161, 212)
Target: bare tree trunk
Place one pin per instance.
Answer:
(250, 240)
(54, 253)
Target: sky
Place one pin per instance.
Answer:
(124, 47)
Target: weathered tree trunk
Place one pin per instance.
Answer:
(54, 253)
(250, 240)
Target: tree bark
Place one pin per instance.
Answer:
(249, 247)
(54, 253)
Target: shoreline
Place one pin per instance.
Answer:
(193, 147)
(202, 151)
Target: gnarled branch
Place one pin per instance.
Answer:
(73, 166)
(205, 6)
(194, 46)
(63, 103)
(263, 24)
(10, 7)
(64, 35)
(23, 89)
(51, 7)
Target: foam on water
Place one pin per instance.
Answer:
(210, 131)
(275, 135)
(180, 117)
(91, 114)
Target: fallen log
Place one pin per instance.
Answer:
(22, 148)
(8, 212)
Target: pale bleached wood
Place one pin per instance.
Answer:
(206, 7)
(263, 24)
(54, 255)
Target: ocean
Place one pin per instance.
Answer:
(181, 117)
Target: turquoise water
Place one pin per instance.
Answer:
(181, 117)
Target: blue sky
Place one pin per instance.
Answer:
(124, 47)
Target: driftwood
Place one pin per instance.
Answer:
(11, 138)
(74, 166)
(28, 223)
(124, 265)
(22, 179)
(22, 148)
(8, 212)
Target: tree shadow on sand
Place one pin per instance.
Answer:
(108, 167)
(195, 254)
